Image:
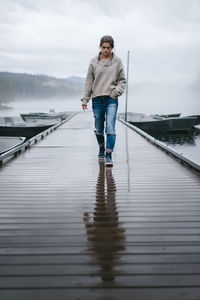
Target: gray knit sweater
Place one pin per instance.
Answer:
(104, 78)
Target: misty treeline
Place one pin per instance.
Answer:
(17, 86)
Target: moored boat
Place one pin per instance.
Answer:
(9, 142)
(42, 121)
(156, 123)
(169, 115)
(60, 115)
(15, 126)
(197, 121)
(26, 130)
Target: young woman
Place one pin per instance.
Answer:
(105, 81)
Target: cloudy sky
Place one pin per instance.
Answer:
(59, 37)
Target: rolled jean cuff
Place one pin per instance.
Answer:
(110, 141)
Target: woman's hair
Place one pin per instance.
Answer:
(107, 39)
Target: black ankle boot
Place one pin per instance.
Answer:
(101, 151)
(101, 143)
(109, 161)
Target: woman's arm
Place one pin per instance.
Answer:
(119, 89)
(88, 85)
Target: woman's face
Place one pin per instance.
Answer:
(106, 49)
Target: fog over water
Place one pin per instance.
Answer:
(151, 100)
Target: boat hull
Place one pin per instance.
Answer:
(45, 116)
(197, 121)
(25, 131)
(168, 125)
(7, 143)
(42, 121)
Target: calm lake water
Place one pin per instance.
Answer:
(187, 144)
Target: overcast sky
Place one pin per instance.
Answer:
(59, 37)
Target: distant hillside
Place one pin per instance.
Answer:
(22, 86)
(76, 79)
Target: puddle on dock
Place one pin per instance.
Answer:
(105, 232)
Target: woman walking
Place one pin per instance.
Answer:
(105, 82)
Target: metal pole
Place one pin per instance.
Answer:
(127, 86)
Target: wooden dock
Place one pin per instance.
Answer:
(72, 229)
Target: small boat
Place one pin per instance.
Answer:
(42, 121)
(156, 123)
(169, 115)
(10, 121)
(7, 143)
(15, 126)
(52, 115)
(197, 121)
(25, 129)
(17, 120)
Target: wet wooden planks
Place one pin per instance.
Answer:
(71, 229)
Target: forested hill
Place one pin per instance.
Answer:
(23, 86)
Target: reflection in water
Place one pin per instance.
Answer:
(127, 158)
(104, 232)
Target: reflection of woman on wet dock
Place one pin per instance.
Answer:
(105, 233)
(105, 82)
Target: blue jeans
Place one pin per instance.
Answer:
(105, 111)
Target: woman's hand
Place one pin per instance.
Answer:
(84, 106)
